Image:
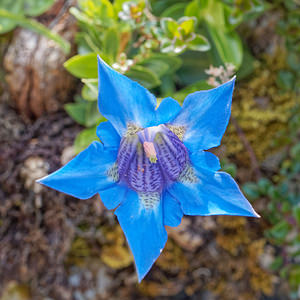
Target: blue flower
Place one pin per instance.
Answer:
(152, 165)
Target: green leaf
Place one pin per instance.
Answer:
(77, 112)
(156, 66)
(85, 138)
(83, 66)
(111, 42)
(199, 43)
(179, 46)
(144, 76)
(187, 25)
(80, 16)
(229, 168)
(89, 91)
(35, 8)
(37, 27)
(197, 86)
(192, 9)
(170, 27)
(167, 87)
(247, 66)
(193, 64)
(162, 64)
(228, 45)
(174, 11)
(14, 7)
(85, 113)
(118, 4)
(100, 9)
(166, 46)
(92, 115)
(160, 6)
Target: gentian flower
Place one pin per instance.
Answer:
(151, 164)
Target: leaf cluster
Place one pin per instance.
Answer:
(164, 45)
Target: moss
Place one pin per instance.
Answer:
(242, 255)
(80, 250)
(116, 256)
(115, 253)
(172, 259)
(15, 291)
(261, 110)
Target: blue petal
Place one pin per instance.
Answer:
(205, 115)
(122, 100)
(144, 231)
(216, 193)
(85, 175)
(108, 135)
(167, 110)
(205, 160)
(172, 210)
(113, 196)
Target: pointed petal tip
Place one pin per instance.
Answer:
(140, 277)
(256, 215)
(231, 81)
(99, 58)
(142, 273)
(101, 63)
(41, 180)
(252, 214)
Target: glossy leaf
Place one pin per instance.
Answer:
(85, 138)
(228, 44)
(174, 11)
(111, 42)
(187, 25)
(89, 91)
(84, 113)
(35, 8)
(155, 60)
(143, 76)
(83, 66)
(170, 27)
(199, 43)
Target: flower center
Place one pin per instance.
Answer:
(151, 158)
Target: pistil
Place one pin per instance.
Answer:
(150, 151)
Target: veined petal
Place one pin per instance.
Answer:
(167, 111)
(122, 100)
(113, 196)
(85, 175)
(144, 230)
(215, 193)
(205, 160)
(172, 210)
(108, 135)
(205, 116)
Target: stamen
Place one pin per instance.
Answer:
(150, 151)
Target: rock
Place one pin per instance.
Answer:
(35, 76)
